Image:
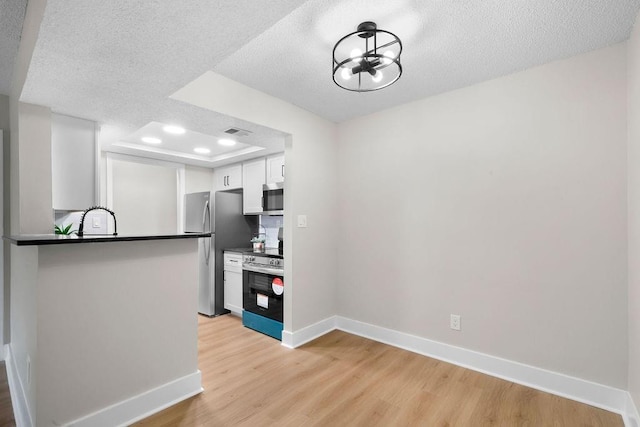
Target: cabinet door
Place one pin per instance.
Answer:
(253, 179)
(233, 292)
(234, 179)
(73, 154)
(275, 168)
(228, 177)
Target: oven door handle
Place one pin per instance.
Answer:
(264, 270)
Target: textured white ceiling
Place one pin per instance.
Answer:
(11, 18)
(117, 62)
(446, 45)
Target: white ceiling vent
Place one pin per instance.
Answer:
(237, 132)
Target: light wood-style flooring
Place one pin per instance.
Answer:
(345, 380)
(6, 410)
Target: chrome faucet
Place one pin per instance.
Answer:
(93, 208)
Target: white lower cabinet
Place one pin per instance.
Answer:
(233, 282)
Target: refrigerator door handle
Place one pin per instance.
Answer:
(205, 213)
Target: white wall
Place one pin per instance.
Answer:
(503, 202)
(24, 318)
(93, 355)
(310, 189)
(198, 179)
(633, 75)
(35, 213)
(73, 174)
(144, 196)
(5, 125)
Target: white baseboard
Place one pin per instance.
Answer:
(598, 395)
(16, 390)
(631, 416)
(309, 333)
(143, 405)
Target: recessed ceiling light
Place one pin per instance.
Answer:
(202, 150)
(227, 142)
(176, 130)
(151, 140)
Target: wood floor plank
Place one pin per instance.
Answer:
(6, 409)
(344, 380)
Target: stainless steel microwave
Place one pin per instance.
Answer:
(273, 199)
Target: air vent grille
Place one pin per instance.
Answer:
(237, 132)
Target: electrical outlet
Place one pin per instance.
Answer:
(455, 322)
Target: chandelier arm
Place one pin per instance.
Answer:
(383, 46)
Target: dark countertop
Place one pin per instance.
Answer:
(268, 252)
(57, 239)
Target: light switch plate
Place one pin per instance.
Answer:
(96, 222)
(302, 221)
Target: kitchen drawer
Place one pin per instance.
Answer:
(232, 260)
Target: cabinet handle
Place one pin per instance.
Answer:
(226, 180)
(283, 171)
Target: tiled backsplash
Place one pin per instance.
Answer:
(271, 224)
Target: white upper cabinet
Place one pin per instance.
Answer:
(253, 178)
(275, 168)
(228, 177)
(73, 162)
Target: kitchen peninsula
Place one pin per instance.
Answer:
(103, 328)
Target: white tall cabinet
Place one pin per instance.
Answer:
(73, 162)
(253, 178)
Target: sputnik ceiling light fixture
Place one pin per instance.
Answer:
(375, 67)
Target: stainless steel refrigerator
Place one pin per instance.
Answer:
(221, 214)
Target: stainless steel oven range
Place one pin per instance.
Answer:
(263, 292)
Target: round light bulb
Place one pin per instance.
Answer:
(377, 76)
(388, 57)
(227, 142)
(356, 55)
(346, 73)
(176, 130)
(151, 140)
